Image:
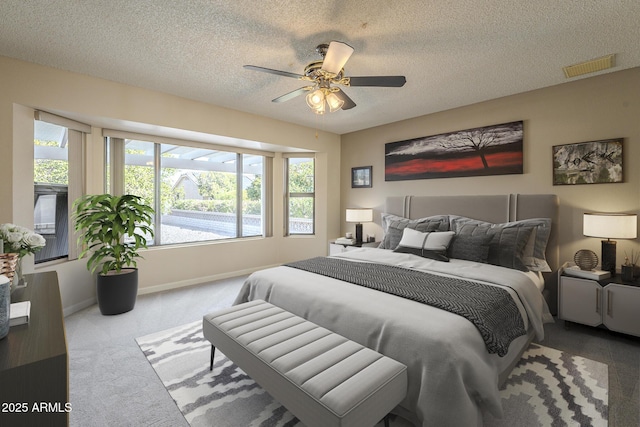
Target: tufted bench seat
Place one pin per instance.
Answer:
(323, 378)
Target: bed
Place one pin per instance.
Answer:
(454, 368)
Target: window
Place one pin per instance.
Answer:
(198, 193)
(300, 195)
(56, 181)
(139, 173)
(51, 216)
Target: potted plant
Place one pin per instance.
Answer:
(112, 229)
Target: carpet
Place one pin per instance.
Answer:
(547, 388)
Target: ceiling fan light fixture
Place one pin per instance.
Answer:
(320, 109)
(316, 99)
(335, 103)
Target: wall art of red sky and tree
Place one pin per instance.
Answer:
(489, 150)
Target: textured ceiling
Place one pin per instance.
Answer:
(453, 53)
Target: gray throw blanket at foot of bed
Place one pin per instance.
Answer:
(490, 308)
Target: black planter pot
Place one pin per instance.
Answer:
(117, 291)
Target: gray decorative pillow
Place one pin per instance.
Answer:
(394, 225)
(470, 248)
(534, 255)
(507, 244)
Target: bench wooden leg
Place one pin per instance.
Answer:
(213, 351)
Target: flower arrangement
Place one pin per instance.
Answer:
(20, 240)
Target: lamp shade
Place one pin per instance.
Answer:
(319, 109)
(315, 99)
(335, 103)
(610, 226)
(359, 215)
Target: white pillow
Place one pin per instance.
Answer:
(432, 241)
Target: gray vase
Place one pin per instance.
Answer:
(5, 305)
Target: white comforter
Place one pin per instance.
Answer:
(452, 377)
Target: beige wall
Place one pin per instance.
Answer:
(591, 109)
(25, 87)
(597, 108)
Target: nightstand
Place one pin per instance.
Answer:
(336, 248)
(609, 302)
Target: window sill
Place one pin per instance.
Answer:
(51, 263)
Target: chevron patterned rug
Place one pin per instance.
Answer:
(547, 388)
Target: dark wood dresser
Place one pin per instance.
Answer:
(34, 366)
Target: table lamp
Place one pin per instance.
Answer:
(359, 216)
(610, 226)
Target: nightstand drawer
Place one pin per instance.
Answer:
(621, 308)
(580, 300)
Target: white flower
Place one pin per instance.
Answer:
(34, 240)
(13, 236)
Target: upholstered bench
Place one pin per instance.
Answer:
(323, 378)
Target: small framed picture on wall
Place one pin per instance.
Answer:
(361, 177)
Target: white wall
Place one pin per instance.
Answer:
(596, 108)
(25, 87)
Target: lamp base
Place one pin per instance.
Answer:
(609, 256)
(358, 233)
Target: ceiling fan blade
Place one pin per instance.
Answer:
(337, 55)
(276, 72)
(380, 81)
(348, 102)
(292, 94)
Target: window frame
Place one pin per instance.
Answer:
(289, 195)
(76, 172)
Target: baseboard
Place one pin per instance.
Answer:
(79, 306)
(200, 280)
(172, 285)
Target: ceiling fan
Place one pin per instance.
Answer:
(327, 72)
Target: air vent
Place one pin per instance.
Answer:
(592, 66)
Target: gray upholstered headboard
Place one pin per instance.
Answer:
(490, 208)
